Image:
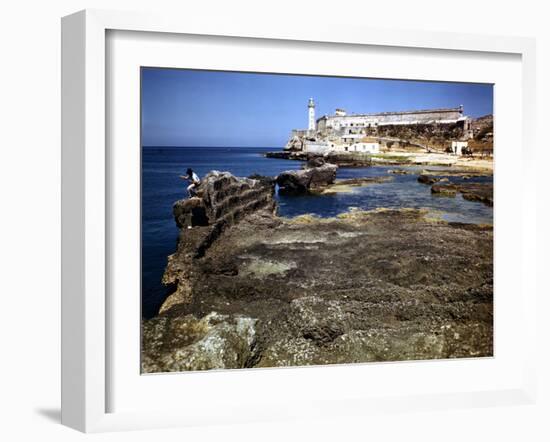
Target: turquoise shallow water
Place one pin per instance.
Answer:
(402, 191)
(161, 187)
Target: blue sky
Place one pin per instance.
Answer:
(209, 108)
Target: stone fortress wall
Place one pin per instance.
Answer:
(420, 115)
(363, 132)
(427, 116)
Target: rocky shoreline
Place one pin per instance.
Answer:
(392, 158)
(471, 191)
(251, 289)
(338, 158)
(480, 192)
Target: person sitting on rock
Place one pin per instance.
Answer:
(194, 179)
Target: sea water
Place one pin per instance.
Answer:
(161, 187)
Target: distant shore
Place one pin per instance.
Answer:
(439, 159)
(411, 158)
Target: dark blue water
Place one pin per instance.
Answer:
(161, 187)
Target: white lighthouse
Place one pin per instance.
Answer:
(311, 114)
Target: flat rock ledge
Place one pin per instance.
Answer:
(382, 285)
(480, 192)
(350, 185)
(457, 172)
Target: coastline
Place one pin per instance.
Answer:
(252, 289)
(394, 158)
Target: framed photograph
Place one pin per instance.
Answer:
(292, 222)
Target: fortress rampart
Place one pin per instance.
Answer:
(348, 132)
(425, 116)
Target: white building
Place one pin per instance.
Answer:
(365, 147)
(457, 146)
(321, 147)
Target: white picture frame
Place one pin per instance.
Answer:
(85, 211)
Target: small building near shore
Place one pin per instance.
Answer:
(456, 146)
(364, 147)
(322, 147)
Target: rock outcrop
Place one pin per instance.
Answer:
(190, 212)
(295, 144)
(481, 192)
(311, 178)
(222, 200)
(425, 179)
(181, 343)
(349, 159)
(283, 155)
(400, 172)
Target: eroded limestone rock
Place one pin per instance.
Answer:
(365, 286)
(425, 179)
(301, 181)
(222, 200)
(224, 197)
(182, 343)
(481, 192)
